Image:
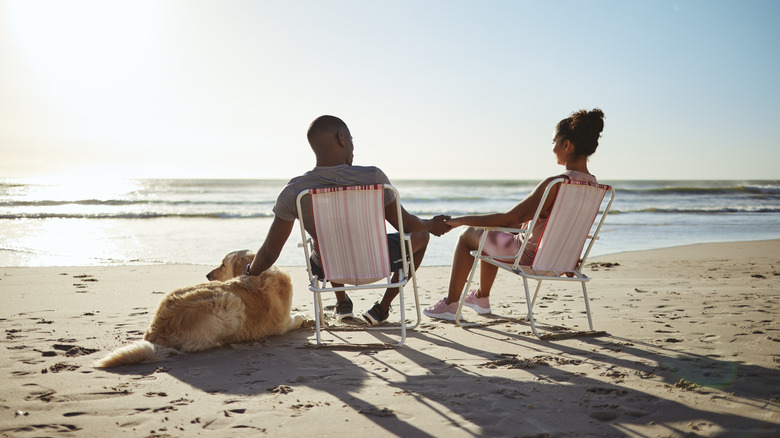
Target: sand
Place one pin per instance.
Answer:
(691, 347)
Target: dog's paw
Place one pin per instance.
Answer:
(298, 320)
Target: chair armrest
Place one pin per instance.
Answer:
(505, 229)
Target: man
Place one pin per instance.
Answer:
(330, 139)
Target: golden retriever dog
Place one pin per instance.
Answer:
(230, 308)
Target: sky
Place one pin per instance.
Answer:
(431, 89)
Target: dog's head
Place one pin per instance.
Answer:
(233, 265)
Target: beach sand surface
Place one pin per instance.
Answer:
(687, 343)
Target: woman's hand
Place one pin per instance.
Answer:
(455, 222)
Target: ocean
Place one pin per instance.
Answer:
(165, 221)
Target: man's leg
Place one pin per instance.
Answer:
(419, 245)
(343, 304)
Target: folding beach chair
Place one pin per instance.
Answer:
(559, 255)
(351, 237)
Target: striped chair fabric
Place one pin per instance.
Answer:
(352, 240)
(559, 255)
(568, 226)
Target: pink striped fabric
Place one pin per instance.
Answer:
(567, 228)
(351, 234)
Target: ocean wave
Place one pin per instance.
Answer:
(425, 212)
(124, 202)
(125, 215)
(450, 198)
(721, 210)
(704, 191)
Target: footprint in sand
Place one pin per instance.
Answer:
(230, 412)
(281, 389)
(42, 394)
(605, 415)
(73, 414)
(44, 427)
(60, 366)
(606, 391)
(12, 334)
(74, 350)
(376, 412)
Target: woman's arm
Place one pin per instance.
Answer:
(522, 212)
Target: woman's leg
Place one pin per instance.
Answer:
(462, 261)
(487, 274)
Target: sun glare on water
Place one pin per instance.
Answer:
(72, 243)
(66, 201)
(81, 186)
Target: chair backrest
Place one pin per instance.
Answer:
(351, 233)
(569, 224)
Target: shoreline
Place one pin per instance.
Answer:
(137, 263)
(692, 347)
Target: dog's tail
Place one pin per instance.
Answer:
(136, 352)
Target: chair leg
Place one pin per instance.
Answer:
(403, 316)
(587, 305)
(317, 315)
(321, 307)
(538, 286)
(416, 295)
(465, 290)
(529, 302)
(416, 304)
(536, 292)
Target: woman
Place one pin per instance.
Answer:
(576, 138)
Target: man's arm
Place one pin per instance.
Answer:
(272, 246)
(436, 226)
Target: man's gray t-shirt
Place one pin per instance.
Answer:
(331, 176)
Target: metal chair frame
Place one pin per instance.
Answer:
(407, 272)
(540, 274)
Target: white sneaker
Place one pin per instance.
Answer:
(480, 305)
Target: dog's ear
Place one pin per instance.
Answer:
(246, 258)
(239, 261)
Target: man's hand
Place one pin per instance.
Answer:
(439, 225)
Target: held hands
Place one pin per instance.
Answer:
(440, 225)
(454, 222)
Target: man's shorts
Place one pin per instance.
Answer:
(393, 248)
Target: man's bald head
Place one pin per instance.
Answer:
(323, 129)
(330, 140)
